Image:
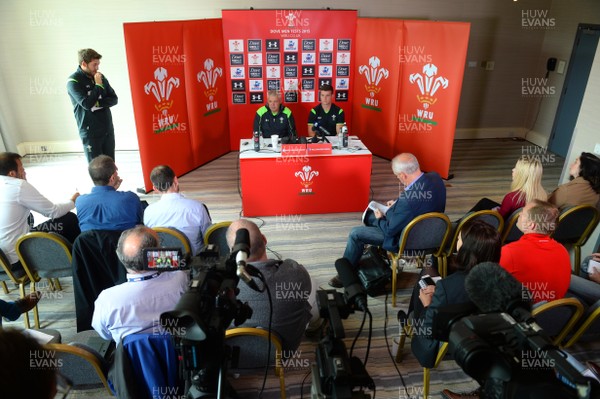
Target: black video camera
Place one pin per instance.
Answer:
(510, 356)
(201, 316)
(335, 374)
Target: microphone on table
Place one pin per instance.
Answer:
(242, 249)
(354, 290)
(316, 128)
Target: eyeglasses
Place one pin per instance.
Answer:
(63, 386)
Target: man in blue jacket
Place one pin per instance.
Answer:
(423, 193)
(92, 96)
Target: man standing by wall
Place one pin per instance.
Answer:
(92, 96)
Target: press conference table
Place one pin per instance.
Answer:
(277, 185)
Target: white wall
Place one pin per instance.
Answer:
(39, 40)
(558, 43)
(586, 135)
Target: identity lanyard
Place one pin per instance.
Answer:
(133, 280)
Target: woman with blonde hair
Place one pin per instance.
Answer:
(525, 187)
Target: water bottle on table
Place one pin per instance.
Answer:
(256, 139)
(344, 133)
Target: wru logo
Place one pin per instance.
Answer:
(428, 84)
(162, 89)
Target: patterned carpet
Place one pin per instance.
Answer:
(480, 168)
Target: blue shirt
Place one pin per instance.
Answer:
(107, 209)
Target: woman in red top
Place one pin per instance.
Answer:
(525, 187)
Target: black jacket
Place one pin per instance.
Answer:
(448, 291)
(85, 95)
(96, 267)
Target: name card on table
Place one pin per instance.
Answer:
(293, 150)
(319, 149)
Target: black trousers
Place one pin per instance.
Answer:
(66, 225)
(484, 204)
(105, 145)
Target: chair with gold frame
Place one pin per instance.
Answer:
(493, 218)
(83, 366)
(558, 317)
(427, 371)
(44, 255)
(575, 225)
(511, 232)
(426, 234)
(216, 234)
(407, 330)
(171, 237)
(18, 277)
(245, 336)
(588, 327)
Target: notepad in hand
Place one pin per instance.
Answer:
(371, 207)
(593, 266)
(376, 205)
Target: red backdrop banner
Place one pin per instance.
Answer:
(398, 82)
(206, 89)
(414, 104)
(290, 50)
(376, 83)
(164, 61)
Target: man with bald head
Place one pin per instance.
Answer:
(135, 306)
(423, 193)
(292, 290)
(540, 263)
